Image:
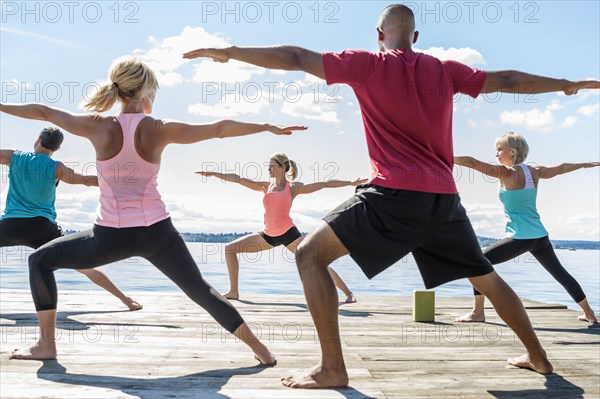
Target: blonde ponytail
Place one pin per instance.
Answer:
(104, 98)
(129, 79)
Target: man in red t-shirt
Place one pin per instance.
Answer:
(411, 203)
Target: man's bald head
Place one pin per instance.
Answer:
(397, 17)
(396, 28)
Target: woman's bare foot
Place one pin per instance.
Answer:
(132, 305)
(39, 351)
(589, 318)
(350, 298)
(232, 295)
(266, 358)
(543, 366)
(317, 377)
(273, 363)
(471, 317)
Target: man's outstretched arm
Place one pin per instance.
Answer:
(289, 58)
(525, 83)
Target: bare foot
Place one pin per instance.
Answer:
(523, 361)
(591, 318)
(471, 317)
(317, 377)
(232, 295)
(132, 305)
(39, 351)
(272, 363)
(350, 298)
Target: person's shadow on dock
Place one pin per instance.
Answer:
(65, 321)
(556, 387)
(206, 384)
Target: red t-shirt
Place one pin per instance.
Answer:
(406, 100)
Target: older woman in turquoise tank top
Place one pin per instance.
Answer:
(525, 232)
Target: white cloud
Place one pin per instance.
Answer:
(590, 110)
(230, 72)
(306, 107)
(554, 106)
(569, 122)
(232, 106)
(484, 123)
(487, 220)
(534, 119)
(77, 211)
(465, 55)
(165, 57)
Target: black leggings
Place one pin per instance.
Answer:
(30, 232)
(160, 244)
(542, 250)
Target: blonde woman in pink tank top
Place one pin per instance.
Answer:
(132, 218)
(279, 228)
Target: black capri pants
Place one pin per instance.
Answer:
(541, 249)
(159, 243)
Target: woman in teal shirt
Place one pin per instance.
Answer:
(518, 193)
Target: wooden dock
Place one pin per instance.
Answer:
(173, 349)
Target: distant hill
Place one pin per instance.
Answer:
(483, 241)
(557, 244)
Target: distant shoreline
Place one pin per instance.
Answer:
(571, 245)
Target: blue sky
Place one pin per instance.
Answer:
(53, 52)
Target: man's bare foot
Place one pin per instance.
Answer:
(132, 305)
(350, 298)
(317, 377)
(471, 317)
(523, 361)
(589, 318)
(39, 351)
(232, 295)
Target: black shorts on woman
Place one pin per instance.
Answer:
(379, 226)
(285, 239)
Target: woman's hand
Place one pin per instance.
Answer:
(207, 174)
(358, 182)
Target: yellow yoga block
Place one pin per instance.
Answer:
(423, 305)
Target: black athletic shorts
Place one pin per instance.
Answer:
(285, 239)
(379, 226)
(30, 232)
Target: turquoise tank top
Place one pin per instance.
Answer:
(32, 186)
(522, 218)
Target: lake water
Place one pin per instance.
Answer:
(274, 272)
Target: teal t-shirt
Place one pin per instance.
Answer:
(32, 186)
(522, 218)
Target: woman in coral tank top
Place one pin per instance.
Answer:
(132, 219)
(279, 228)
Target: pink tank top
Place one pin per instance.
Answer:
(277, 211)
(129, 195)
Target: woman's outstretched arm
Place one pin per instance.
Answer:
(79, 125)
(234, 178)
(549, 172)
(185, 133)
(497, 171)
(301, 188)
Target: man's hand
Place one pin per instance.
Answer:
(218, 55)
